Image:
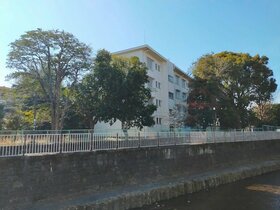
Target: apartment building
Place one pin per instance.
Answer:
(168, 84)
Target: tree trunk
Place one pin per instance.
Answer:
(124, 129)
(93, 123)
(57, 97)
(53, 115)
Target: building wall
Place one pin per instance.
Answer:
(26, 180)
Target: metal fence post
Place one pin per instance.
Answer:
(117, 146)
(24, 145)
(91, 139)
(214, 136)
(60, 142)
(157, 139)
(139, 139)
(174, 138)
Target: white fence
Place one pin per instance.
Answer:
(40, 144)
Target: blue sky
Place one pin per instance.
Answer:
(181, 30)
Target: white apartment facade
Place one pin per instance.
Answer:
(168, 84)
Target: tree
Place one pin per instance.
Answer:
(1, 115)
(203, 108)
(94, 95)
(275, 112)
(233, 83)
(176, 118)
(132, 106)
(17, 120)
(267, 114)
(263, 114)
(86, 107)
(115, 90)
(54, 59)
(31, 99)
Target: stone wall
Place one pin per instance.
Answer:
(28, 180)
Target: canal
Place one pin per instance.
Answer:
(257, 193)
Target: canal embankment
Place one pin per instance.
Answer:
(129, 178)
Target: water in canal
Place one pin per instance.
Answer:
(257, 193)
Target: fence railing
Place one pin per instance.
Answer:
(39, 144)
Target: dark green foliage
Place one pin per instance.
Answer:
(131, 96)
(275, 113)
(115, 90)
(230, 83)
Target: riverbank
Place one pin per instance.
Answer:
(129, 198)
(255, 193)
(129, 178)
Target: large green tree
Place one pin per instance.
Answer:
(54, 59)
(233, 83)
(86, 106)
(94, 95)
(132, 97)
(115, 90)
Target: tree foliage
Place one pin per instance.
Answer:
(86, 104)
(267, 114)
(132, 106)
(1, 115)
(176, 117)
(52, 59)
(200, 101)
(229, 83)
(115, 90)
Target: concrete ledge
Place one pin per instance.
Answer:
(148, 194)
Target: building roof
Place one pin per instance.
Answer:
(181, 73)
(154, 53)
(146, 48)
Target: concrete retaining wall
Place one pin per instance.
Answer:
(27, 181)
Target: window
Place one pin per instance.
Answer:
(183, 83)
(158, 103)
(157, 66)
(158, 120)
(170, 78)
(157, 84)
(177, 94)
(150, 63)
(177, 80)
(171, 95)
(184, 96)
